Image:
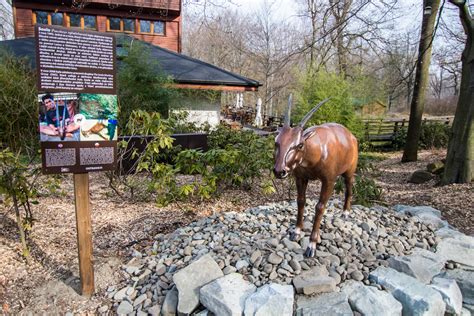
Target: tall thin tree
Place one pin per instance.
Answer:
(430, 11)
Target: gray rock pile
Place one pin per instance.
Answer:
(372, 260)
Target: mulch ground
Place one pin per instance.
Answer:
(49, 284)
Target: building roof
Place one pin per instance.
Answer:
(187, 72)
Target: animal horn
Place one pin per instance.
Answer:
(288, 111)
(310, 113)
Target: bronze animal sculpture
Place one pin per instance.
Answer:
(321, 152)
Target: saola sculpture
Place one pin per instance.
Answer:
(321, 152)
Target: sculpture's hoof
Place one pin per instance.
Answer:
(345, 215)
(295, 236)
(310, 251)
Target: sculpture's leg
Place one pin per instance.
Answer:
(349, 181)
(301, 185)
(326, 191)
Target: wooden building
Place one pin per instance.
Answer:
(373, 109)
(157, 22)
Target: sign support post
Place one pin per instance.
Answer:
(84, 232)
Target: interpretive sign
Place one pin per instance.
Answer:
(77, 118)
(77, 100)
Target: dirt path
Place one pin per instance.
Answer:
(49, 284)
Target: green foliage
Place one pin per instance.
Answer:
(365, 190)
(234, 163)
(18, 190)
(156, 175)
(18, 105)
(366, 87)
(315, 87)
(141, 84)
(51, 185)
(98, 106)
(238, 163)
(399, 138)
(180, 123)
(434, 135)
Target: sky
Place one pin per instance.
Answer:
(284, 8)
(287, 9)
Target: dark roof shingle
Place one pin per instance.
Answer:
(183, 69)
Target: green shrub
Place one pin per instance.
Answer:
(235, 158)
(434, 135)
(315, 87)
(399, 139)
(180, 123)
(17, 187)
(364, 191)
(18, 105)
(142, 85)
(130, 184)
(240, 163)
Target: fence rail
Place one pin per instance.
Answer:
(383, 130)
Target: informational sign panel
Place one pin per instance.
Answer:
(77, 100)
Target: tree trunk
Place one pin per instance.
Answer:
(21, 229)
(460, 158)
(410, 152)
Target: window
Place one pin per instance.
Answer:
(114, 24)
(152, 27)
(120, 25)
(41, 17)
(159, 27)
(57, 18)
(90, 22)
(129, 25)
(74, 20)
(145, 26)
(69, 20)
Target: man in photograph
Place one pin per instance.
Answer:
(57, 122)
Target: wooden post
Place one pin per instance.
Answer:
(84, 232)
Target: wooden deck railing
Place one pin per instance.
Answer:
(246, 116)
(384, 130)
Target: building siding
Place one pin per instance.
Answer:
(171, 40)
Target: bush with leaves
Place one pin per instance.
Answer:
(142, 85)
(434, 135)
(17, 188)
(315, 87)
(144, 155)
(399, 138)
(179, 120)
(240, 163)
(18, 105)
(365, 191)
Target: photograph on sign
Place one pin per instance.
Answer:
(100, 116)
(77, 117)
(56, 117)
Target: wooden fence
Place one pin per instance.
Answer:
(382, 131)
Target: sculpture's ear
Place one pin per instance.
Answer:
(308, 133)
